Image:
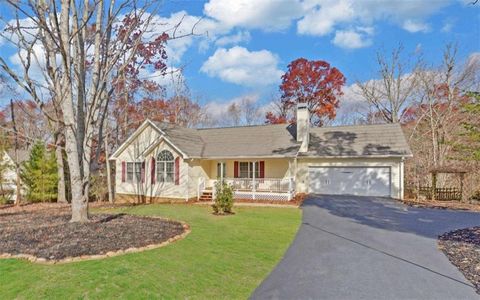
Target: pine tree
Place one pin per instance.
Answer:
(468, 147)
(39, 173)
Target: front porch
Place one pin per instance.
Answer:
(267, 189)
(270, 179)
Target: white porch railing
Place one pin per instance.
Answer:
(261, 188)
(200, 187)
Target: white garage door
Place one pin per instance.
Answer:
(360, 181)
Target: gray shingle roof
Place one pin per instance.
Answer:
(279, 141)
(248, 141)
(186, 139)
(358, 141)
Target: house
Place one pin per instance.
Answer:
(167, 162)
(8, 182)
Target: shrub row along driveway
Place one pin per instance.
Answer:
(369, 248)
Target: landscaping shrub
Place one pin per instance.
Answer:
(6, 196)
(98, 187)
(223, 198)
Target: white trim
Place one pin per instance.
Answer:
(158, 141)
(133, 136)
(302, 156)
(242, 157)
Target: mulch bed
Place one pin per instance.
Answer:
(462, 247)
(455, 205)
(44, 231)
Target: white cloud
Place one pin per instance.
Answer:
(239, 37)
(182, 24)
(240, 66)
(324, 16)
(171, 80)
(269, 15)
(448, 25)
(218, 109)
(415, 26)
(353, 39)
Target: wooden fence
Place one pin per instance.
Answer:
(441, 193)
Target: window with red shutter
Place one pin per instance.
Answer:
(177, 170)
(235, 169)
(262, 169)
(123, 171)
(152, 170)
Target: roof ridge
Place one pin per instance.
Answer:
(357, 125)
(243, 126)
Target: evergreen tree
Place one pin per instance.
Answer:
(39, 173)
(469, 146)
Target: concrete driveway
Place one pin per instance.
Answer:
(352, 247)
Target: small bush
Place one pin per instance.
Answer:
(6, 196)
(223, 198)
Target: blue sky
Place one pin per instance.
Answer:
(250, 42)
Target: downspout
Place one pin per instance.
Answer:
(187, 182)
(401, 185)
(253, 181)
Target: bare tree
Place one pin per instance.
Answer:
(391, 93)
(250, 110)
(441, 95)
(234, 114)
(78, 47)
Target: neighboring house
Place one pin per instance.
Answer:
(165, 162)
(9, 176)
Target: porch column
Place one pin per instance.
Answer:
(253, 181)
(221, 171)
(186, 182)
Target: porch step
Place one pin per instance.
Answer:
(206, 196)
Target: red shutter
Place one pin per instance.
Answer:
(262, 169)
(123, 171)
(143, 171)
(235, 169)
(152, 169)
(177, 170)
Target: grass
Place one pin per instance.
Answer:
(223, 257)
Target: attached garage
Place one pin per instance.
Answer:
(352, 180)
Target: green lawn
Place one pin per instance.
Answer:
(223, 257)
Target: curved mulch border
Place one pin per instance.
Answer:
(41, 233)
(42, 260)
(462, 247)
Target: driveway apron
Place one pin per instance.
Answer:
(351, 247)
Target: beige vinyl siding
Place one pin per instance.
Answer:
(274, 168)
(157, 189)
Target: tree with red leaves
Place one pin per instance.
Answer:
(313, 82)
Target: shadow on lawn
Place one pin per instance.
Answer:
(389, 214)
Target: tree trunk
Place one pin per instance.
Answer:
(79, 193)
(18, 191)
(107, 165)
(79, 197)
(61, 194)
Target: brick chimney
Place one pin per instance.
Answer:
(303, 126)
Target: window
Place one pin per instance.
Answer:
(219, 170)
(134, 171)
(130, 171)
(165, 167)
(246, 170)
